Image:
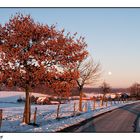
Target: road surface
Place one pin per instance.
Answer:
(124, 119)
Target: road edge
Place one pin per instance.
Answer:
(137, 129)
(75, 126)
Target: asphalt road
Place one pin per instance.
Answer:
(124, 119)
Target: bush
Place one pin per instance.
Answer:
(20, 100)
(33, 99)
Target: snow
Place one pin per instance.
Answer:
(46, 114)
(12, 96)
(112, 95)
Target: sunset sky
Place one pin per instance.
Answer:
(112, 35)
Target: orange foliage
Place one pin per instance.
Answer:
(32, 53)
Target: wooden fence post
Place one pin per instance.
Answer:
(1, 115)
(111, 101)
(114, 101)
(106, 102)
(35, 115)
(23, 120)
(74, 109)
(101, 102)
(94, 103)
(58, 110)
(86, 106)
(118, 100)
(121, 100)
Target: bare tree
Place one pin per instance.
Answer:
(90, 72)
(135, 90)
(105, 88)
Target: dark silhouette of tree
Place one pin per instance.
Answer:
(105, 88)
(135, 90)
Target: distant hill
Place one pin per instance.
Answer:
(97, 90)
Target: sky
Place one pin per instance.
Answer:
(112, 35)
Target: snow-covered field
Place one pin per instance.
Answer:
(46, 114)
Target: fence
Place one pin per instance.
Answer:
(1, 116)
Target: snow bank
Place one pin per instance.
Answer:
(46, 114)
(64, 123)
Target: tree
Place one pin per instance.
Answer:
(135, 90)
(33, 54)
(105, 88)
(90, 72)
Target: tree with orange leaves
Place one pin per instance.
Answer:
(32, 54)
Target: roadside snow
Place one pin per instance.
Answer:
(46, 114)
(61, 124)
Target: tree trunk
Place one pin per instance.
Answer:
(80, 100)
(27, 108)
(102, 103)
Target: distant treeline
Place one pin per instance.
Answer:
(44, 90)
